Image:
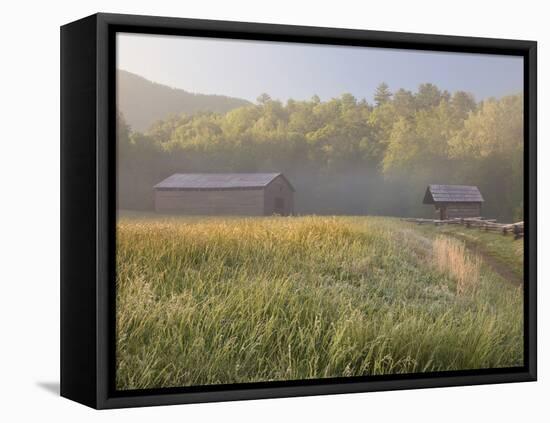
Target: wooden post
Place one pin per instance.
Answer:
(517, 234)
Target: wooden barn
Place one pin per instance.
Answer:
(452, 201)
(249, 194)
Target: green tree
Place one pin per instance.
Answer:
(263, 99)
(496, 127)
(428, 96)
(489, 147)
(382, 94)
(123, 130)
(404, 103)
(463, 103)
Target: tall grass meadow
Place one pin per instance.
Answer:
(237, 300)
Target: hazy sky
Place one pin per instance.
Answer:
(246, 69)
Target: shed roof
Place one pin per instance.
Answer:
(217, 181)
(452, 194)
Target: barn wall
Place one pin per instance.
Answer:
(280, 189)
(248, 202)
(463, 210)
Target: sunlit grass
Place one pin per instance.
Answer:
(504, 249)
(244, 300)
(451, 257)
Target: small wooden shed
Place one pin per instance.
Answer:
(252, 194)
(453, 201)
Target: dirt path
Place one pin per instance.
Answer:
(504, 270)
(500, 268)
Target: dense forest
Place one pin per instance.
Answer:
(144, 102)
(343, 156)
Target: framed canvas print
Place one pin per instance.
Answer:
(256, 211)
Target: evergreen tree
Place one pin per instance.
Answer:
(382, 94)
(263, 98)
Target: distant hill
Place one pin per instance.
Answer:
(144, 102)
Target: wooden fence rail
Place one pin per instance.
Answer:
(488, 225)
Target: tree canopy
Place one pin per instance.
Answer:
(344, 155)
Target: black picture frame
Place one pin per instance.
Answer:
(88, 208)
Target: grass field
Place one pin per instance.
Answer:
(500, 250)
(235, 300)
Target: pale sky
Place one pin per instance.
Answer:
(245, 69)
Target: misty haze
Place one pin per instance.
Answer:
(300, 211)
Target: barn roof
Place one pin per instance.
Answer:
(181, 181)
(452, 194)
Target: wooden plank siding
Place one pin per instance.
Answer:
(463, 210)
(242, 194)
(278, 198)
(246, 202)
(453, 210)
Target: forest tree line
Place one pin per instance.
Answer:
(344, 155)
